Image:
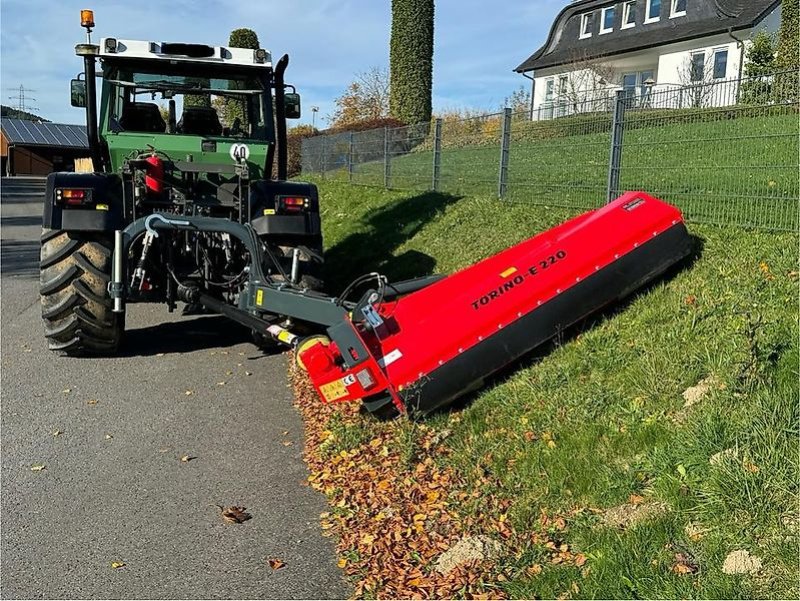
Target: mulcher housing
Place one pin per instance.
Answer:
(435, 344)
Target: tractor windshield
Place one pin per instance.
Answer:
(184, 100)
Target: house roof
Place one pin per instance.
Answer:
(703, 18)
(34, 133)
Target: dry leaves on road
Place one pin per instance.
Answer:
(91, 402)
(234, 514)
(275, 563)
(38, 467)
(115, 565)
(187, 458)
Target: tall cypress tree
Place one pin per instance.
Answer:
(237, 107)
(787, 84)
(411, 60)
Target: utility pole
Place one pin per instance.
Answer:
(22, 99)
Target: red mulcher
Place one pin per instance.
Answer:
(429, 347)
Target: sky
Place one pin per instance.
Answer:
(477, 44)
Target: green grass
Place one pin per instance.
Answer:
(740, 171)
(609, 397)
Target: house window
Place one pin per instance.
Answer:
(653, 11)
(587, 24)
(698, 67)
(607, 20)
(720, 63)
(628, 14)
(548, 90)
(678, 8)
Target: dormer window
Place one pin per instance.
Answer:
(653, 13)
(678, 9)
(607, 20)
(628, 14)
(587, 25)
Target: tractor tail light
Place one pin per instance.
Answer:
(294, 204)
(73, 197)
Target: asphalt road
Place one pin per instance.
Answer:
(114, 489)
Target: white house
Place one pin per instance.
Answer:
(644, 47)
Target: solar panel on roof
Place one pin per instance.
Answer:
(33, 133)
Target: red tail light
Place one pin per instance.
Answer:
(294, 204)
(73, 196)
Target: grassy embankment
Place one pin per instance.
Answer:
(585, 461)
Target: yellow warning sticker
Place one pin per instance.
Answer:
(333, 390)
(259, 297)
(508, 272)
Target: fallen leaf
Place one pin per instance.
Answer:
(287, 443)
(275, 563)
(67, 390)
(117, 564)
(221, 383)
(684, 564)
(342, 563)
(248, 373)
(57, 432)
(109, 437)
(186, 458)
(234, 514)
(750, 466)
(691, 300)
(37, 467)
(189, 392)
(91, 402)
(229, 373)
(535, 569)
(636, 499)
(580, 559)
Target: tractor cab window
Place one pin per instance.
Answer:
(186, 103)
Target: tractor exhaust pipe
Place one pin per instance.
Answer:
(280, 121)
(89, 52)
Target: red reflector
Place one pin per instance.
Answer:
(80, 194)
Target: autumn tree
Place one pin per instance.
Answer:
(365, 99)
(411, 60)
(584, 83)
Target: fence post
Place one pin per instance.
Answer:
(350, 160)
(615, 157)
(387, 159)
(324, 161)
(505, 138)
(437, 154)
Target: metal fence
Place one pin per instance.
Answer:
(725, 152)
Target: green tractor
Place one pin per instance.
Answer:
(187, 131)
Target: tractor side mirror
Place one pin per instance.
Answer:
(291, 105)
(77, 93)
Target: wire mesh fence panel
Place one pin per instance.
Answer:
(470, 154)
(410, 157)
(561, 162)
(734, 164)
(368, 149)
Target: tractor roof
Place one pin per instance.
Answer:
(192, 53)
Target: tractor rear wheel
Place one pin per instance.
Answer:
(75, 270)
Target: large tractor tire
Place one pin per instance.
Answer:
(75, 270)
